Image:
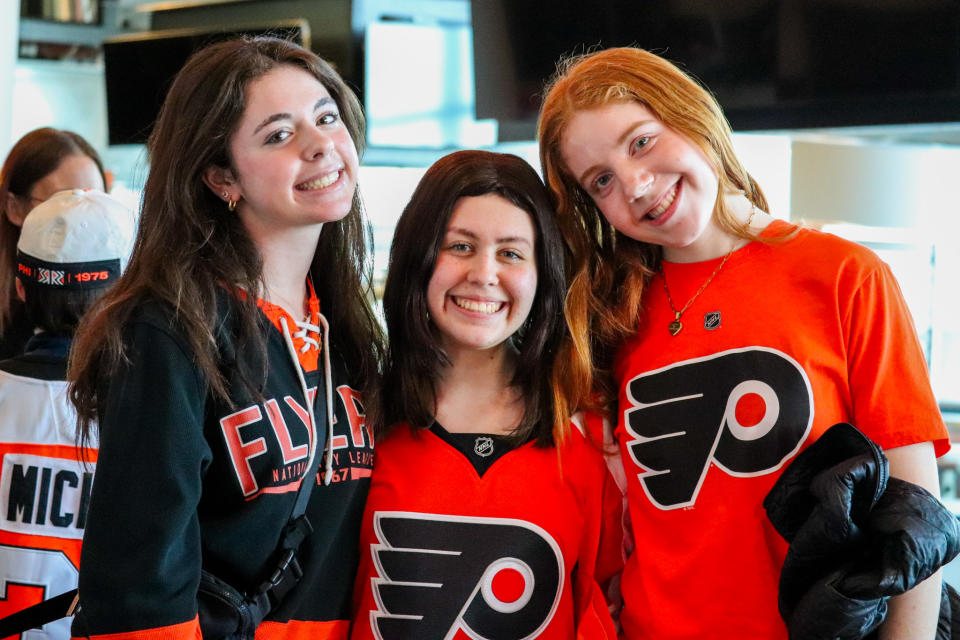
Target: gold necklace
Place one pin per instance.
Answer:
(675, 325)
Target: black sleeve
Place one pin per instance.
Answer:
(140, 562)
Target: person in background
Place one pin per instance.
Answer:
(483, 490)
(229, 361)
(732, 340)
(39, 165)
(72, 247)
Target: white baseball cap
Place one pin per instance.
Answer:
(77, 239)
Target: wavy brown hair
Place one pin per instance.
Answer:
(415, 358)
(34, 156)
(610, 270)
(188, 247)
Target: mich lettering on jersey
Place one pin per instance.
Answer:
(492, 578)
(743, 411)
(269, 443)
(44, 496)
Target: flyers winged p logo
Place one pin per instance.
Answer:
(684, 419)
(494, 578)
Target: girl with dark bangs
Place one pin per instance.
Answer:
(489, 515)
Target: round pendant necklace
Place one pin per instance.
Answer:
(675, 325)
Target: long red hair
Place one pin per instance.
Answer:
(610, 270)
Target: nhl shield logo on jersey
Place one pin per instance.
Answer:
(493, 578)
(483, 446)
(712, 320)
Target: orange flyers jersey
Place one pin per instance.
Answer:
(43, 495)
(788, 339)
(522, 550)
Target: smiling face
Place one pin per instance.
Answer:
(650, 182)
(485, 277)
(294, 161)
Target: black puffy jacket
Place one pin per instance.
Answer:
(857, 537)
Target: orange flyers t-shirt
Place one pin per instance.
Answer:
(788, 339)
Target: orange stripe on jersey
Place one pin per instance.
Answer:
(67, 452)
(304, 630)
(189, 630)
(284, 488)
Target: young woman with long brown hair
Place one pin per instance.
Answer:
(231, 356)
(727, 341)
(490, 514)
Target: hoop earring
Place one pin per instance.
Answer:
(231, 204)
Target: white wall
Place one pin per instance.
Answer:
(9, 30)
(879, 184)
(767, 158)
(61, 94)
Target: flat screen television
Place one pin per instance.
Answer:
(139, 68)
(772, 64)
